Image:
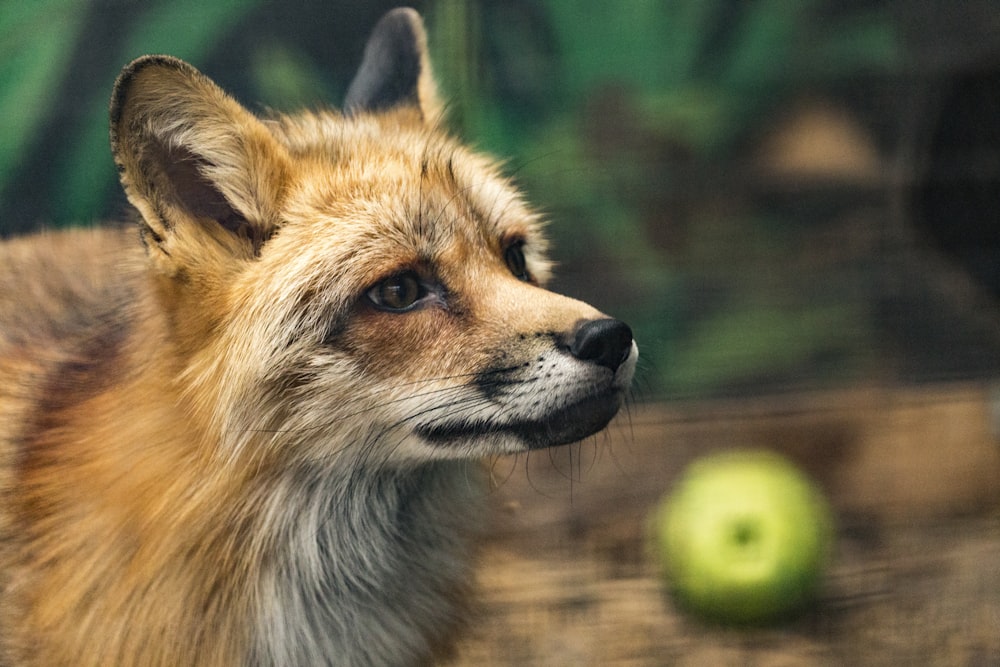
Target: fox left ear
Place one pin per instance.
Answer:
(395, 71)
(193, 162)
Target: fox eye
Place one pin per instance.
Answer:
(399, 292)
(514, 257)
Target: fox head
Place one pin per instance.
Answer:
(353, 285)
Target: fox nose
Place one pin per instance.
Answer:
(606, 342)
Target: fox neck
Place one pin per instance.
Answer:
(367, 566)
(346, 563)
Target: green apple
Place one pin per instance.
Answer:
(744, 537)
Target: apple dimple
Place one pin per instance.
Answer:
(745, 533)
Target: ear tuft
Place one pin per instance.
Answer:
(395, 70)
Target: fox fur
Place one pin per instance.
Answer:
(248, 434)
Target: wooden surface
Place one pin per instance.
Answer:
(914, 476)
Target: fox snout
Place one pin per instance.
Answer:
(553, 388)
(606, 342)
(580, 399)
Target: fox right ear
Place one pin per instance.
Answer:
(395, 71)
(196, 164)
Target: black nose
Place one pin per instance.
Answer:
(605, 342)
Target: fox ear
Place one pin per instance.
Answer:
(395, 70)
(193, 161)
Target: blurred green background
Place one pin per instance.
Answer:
(778, 195)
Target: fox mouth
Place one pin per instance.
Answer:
(559, 427)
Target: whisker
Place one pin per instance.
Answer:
(496, 483)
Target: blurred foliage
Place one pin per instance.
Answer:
(611, 114)
(610, 108)
(33, 54)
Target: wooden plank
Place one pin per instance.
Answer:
(913, 474)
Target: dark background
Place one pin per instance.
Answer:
(779, 195)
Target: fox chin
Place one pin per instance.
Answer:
(248, 434)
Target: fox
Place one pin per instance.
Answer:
(249, 426)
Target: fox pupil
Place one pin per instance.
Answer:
(514, 257)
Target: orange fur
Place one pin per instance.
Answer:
(254, 442)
